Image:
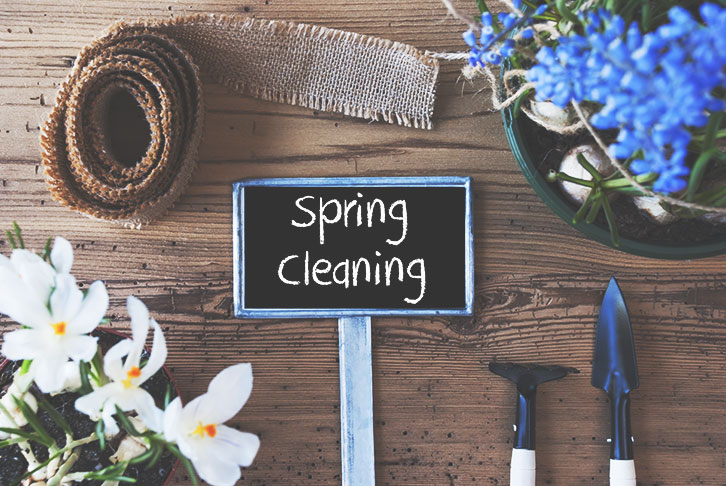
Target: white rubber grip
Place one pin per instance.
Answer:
(622, 473)
(523, 468)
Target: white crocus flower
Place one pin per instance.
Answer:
(56, 331)
(26, 280)
(215, 450)
(127, 375)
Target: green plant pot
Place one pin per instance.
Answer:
(556, 201)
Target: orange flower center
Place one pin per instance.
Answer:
(202, 430)
(59, 328)
(134, 372)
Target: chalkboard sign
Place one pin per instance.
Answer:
(353, 247)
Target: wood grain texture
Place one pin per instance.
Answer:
(441, 418)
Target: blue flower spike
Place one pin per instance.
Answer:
(492, 47)
(634, 77)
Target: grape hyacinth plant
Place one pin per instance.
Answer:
(646, 79)
(59, 355)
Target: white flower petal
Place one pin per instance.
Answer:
(146, 408)
(19, 302)
(65, 301)
(212, 469)
(92, 309)
(139, 329)
(139, 315)
(23, 344)
(36, 274)
(92, 404)
(72, 376)
(112, 364)
(61, 256)
(111, 427)
(226, 395)
(48, 371)
(80, 348)
(234, 446)
(128, 399)
(158, 354)
(172, 420)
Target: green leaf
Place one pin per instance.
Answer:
(709, 198)
(9, 442)
(645, 16)
(86, 387)
(141, 459)
(25, 367)
(22, 433)
(611, 184)
(568, 178)
(583, 210)
(101, 434)
(34, 422)
(187, 464)
(610, 217)
(632, 191)
(126, 423)
(167, 396)
(597, 177)
(46, 249)
(564, 10)
(97, 367)
(698, 171)
(155, 457)
(714, 123)
(11, 240)
(114, 472)
(19, 234)
(595, 209)
(55, 416)
(518, 104)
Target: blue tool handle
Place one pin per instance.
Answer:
(621, 436)
(356, 401)
(524, 425)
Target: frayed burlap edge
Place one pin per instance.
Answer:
(234, 22)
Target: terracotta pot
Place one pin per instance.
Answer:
(172, 471)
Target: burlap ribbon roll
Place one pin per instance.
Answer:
(90, 163)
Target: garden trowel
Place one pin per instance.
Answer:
(614, 370)
(526, 377)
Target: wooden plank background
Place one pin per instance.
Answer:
(440, 417)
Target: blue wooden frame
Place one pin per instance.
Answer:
(238, 231)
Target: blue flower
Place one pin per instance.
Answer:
(653, 87)
(492, 47)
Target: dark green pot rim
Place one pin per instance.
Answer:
(557, 203)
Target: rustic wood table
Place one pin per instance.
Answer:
(440, 417)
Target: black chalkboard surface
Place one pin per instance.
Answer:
(353, 246)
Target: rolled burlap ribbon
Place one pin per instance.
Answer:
(99, 162)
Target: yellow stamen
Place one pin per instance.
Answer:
(59, 328)
(202, 430)
(134, 372)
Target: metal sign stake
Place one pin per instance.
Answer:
(356, 401)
